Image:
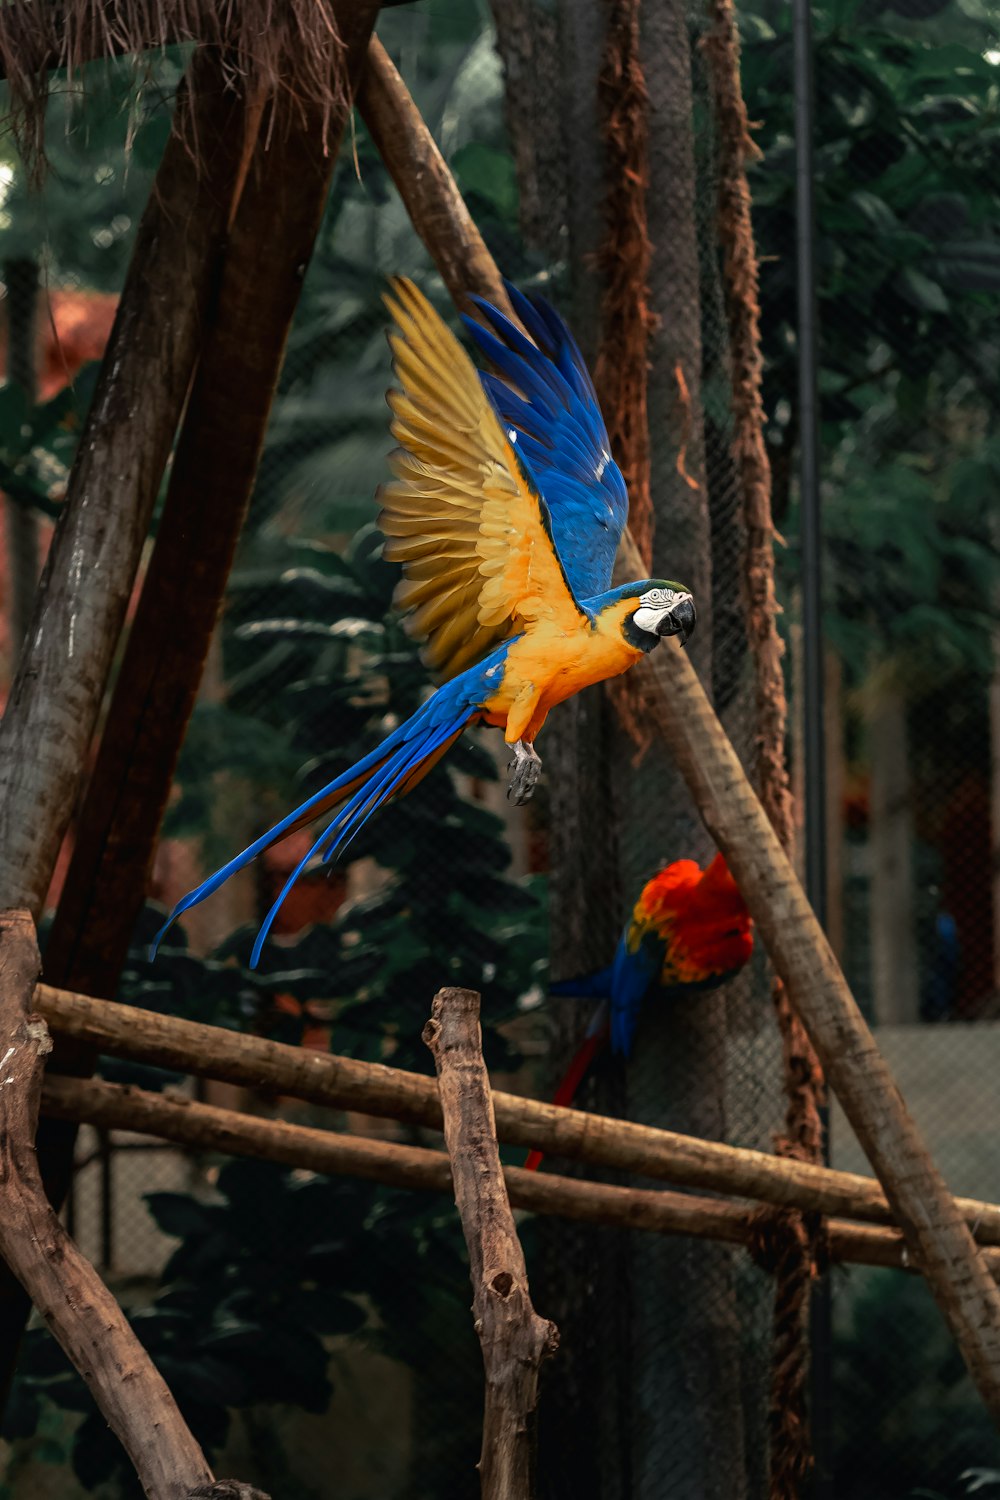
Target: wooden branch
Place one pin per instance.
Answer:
(80, 606)
(270, 245)
(276, 217)
(20, 275)
(74, 1302)
(934, 1228)
(54, 703)
(374, 1089)
(204, 1127)
(514, 1339)
(425, 184)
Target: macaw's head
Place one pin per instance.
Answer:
(711, 933)
(661, 609)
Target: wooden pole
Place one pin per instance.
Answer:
(81, 602)
(374, 1089)
(270, 245)
(514, 1339)
(205, 1127)
(939, 1240)
(73, 1301)
(20, 276)
(937, 1236)
(274, 215)
(425, 184)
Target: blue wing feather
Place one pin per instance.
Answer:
(560, 434)
(587, 987)
(633, 974)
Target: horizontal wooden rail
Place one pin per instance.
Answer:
(373, 1089)
(206, 1127)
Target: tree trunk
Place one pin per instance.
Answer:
(687, 1430)
(269, 247)
(81, 602)
(650, 1358)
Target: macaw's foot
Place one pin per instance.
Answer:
(525, 769)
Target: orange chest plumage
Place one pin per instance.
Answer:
(554, 662)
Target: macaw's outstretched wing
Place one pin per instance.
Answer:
(470, 529)
(560, 434)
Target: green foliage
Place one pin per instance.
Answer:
(267, 1274)
(907, 1416)
(907, 140)
(105, 133)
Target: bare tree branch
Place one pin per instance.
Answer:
(374, 1089)
(205, 1127)
(514, 1339)
(71, 1297)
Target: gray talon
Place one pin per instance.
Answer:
(525, 769)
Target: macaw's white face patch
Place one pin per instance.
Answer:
(653, 605)
(664, 611)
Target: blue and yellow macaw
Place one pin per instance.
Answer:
(505, 512)
(689, 931)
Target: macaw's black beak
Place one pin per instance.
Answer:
(679, 619)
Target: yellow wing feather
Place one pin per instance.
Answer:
(473, 536)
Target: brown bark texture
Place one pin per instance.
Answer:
(515, 1340)
(204, 1127)
(937, 1236)
(80, 607)
(345, 1083)
(21, 281)
(625, 256)
(426, 186)
(73, 1301)
(270, 245)
(790, 1448)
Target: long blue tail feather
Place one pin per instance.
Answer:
(384, 769)
(338, 834)
(588, 987)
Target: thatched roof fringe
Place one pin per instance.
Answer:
(286, 50)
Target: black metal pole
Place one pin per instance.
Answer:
(21, 280)
(811, 534)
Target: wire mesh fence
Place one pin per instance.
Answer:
(300, 1318)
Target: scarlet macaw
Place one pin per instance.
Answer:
(510, 590)
(689, 931)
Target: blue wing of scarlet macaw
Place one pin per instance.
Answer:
(625, 984)
(688, 932)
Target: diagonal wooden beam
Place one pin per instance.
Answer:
(143, 382)
(82, 599)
